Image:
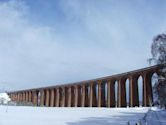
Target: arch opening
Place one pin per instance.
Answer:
(140, 90)
(154, 81)
(127, 91)
(116, 93)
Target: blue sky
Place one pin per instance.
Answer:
(49, 42)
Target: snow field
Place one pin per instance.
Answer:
(18, 115)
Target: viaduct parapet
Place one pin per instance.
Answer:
(101, 92)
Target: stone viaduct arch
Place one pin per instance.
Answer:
(94, 93)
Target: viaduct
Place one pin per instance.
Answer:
(100, 92)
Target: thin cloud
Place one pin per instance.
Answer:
(91, 40)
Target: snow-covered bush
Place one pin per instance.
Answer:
(158, 51)
(4, 98)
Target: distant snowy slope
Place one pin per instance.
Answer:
(69, 116)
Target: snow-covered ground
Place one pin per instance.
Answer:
(155, 116)
(17, 115)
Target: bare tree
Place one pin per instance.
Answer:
(158, 51)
